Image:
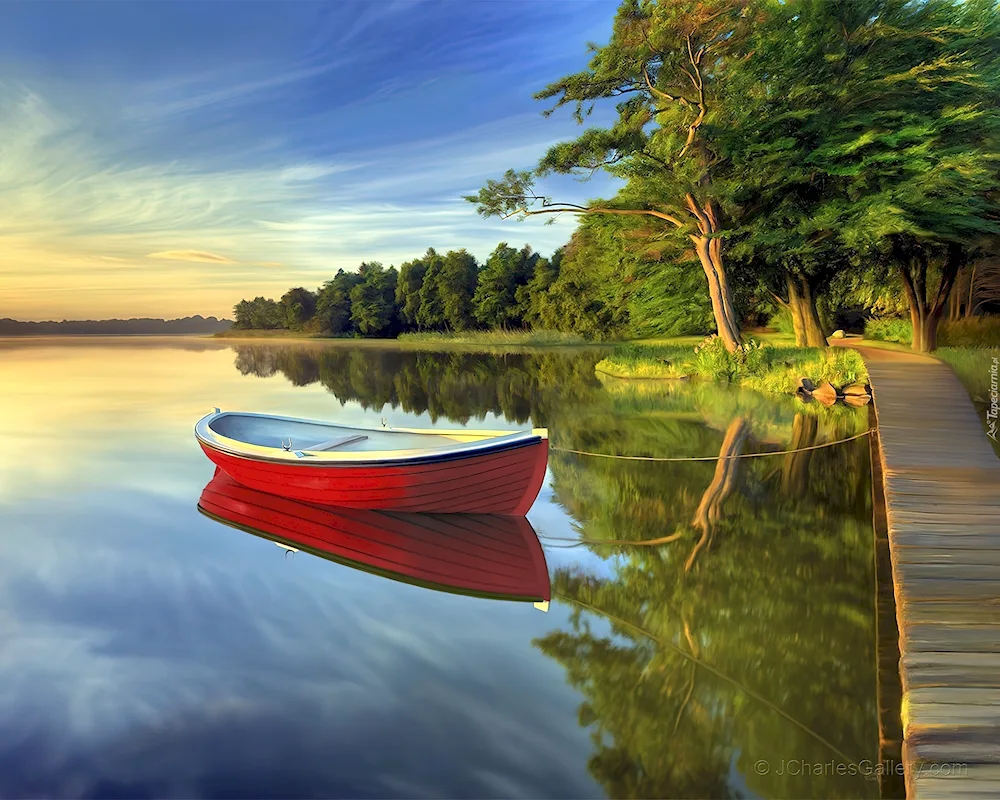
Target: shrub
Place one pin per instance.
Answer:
(712, 360)
(889, 330)
(781, 321)
(842, 366)
(971, 332)
(753, 357)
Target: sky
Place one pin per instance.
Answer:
(168, 159)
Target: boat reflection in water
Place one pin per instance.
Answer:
(482, 555)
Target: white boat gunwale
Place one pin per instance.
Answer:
(483, 442)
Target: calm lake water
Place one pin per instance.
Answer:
(148, 650)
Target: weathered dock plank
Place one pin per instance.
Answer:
(956, 611)
(941, 482)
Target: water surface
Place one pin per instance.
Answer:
(151, 651)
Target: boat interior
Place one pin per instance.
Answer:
(303, 435)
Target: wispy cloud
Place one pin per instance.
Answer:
(196, 98)
(187, 203)
(192, 255)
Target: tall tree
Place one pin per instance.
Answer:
(333, 303)
(373, 300)
(877, 133)
(430, 313)
(590, 295)
(788, 98)
(672, 59)
(531, 297)
(456, 283)
(411, 278)
(298, 306)
(242, 314)
(933, 190)
(495, 300)
(259, 314)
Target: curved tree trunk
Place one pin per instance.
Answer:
(709, 510)
(794, 307)
(801, 304)
(810, 317)
(795, 466)
(718, 290)
(805, 317)
(916, 303)
(709, 249)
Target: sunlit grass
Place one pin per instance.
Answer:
(774, 368)
(770, 337)
(972, 366)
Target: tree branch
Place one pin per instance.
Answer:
(948, 274)
(699, 85)
(920, 283)
(660, 93)
(908, 287)
(657, 159)
(692, 204)
(571, 208)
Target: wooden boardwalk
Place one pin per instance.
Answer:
(942, 494)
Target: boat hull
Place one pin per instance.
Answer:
(482, 555)
(506, 481)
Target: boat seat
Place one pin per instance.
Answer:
(339, 442)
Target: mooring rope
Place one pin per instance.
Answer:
(583, 541)
(714, 458)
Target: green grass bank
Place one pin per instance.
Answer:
(765, 366)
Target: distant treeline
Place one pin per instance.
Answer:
(593, 287)
(142, 326)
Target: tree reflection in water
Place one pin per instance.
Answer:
(749, 638)
(747, 634)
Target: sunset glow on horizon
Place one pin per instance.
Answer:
(169, 159)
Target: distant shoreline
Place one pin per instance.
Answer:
(135, 326)
(195, 335)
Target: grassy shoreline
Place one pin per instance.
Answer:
(480, 341)
(767, 363)
(662, 359)
(236, 333)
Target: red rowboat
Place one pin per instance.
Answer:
(399, 469)
(474, 554)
